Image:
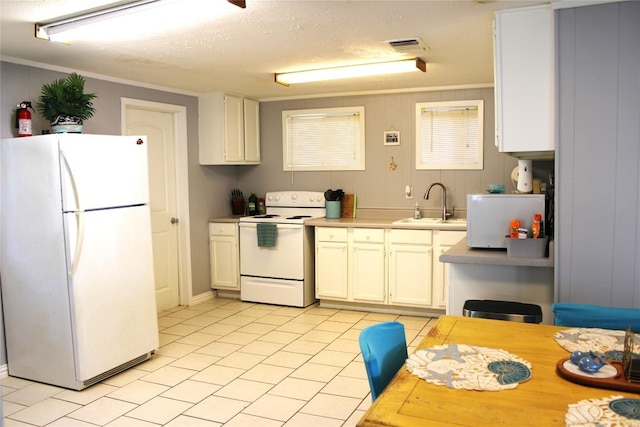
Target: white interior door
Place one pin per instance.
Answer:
(158, 126)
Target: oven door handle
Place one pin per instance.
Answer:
(282, 226)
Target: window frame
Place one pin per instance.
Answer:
(451, 106)
(359, 164)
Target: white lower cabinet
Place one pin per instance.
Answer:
(410, 267)
(392, 267)
(368, 265)
(223, 253)
(332, 267)
(443, 242)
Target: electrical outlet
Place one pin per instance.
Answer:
(408, 192)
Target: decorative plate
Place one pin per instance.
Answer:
(607, 371)
(629, 408)
(469, 367)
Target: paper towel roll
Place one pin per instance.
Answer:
(525, 177)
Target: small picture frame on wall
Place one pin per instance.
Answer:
(392, 137)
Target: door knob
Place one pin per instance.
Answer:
(174, 220)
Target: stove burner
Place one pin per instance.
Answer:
(266, 216)
(299, 217)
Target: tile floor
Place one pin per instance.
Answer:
(225, 363)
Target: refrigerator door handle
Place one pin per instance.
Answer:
(79, 241)
(79, 216)
(72, 181)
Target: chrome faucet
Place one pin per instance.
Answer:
(445, 213)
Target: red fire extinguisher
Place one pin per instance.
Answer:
(23, 118)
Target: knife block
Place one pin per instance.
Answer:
(237, 206)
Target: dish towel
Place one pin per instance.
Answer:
(267, 235)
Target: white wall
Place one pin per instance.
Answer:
(378, 186)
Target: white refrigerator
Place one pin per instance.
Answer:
(76, 264)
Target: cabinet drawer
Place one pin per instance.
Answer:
(222, 229)
(368, 235)
(331, 234)
(451, 237)
(421, 237)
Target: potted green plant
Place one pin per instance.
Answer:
(64, 103)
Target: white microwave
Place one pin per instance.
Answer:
(489, 216)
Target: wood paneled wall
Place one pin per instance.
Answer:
(598, 155)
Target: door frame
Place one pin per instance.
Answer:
(179, 113)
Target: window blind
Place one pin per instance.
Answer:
(449, 137)
(326, 139)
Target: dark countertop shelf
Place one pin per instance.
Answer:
(462, 254)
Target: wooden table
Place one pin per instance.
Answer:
(540, 401)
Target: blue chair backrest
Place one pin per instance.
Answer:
(596, 316)
(384, 350)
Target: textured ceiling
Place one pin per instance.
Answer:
(239, 50)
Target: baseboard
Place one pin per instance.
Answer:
(381, 308)
(203, 297)
(222, 293)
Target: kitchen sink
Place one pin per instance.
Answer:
(433, 222)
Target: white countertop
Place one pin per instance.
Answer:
(382, 223)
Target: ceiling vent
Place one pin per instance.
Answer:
(408, 45)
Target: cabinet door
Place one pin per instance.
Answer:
(332, 270)
(251, 131)
(233, 129)
(224, 262)
(525, 79)
(410, 271)
(368, 272)
(443, 241)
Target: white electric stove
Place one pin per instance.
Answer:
(282, 274)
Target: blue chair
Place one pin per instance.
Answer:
(596, 316)
(384, 350)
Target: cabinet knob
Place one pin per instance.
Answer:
(174, 220)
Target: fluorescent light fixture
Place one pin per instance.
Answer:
(125, 20)
(362, 70)
(60, 31)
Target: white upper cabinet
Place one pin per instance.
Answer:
(524, 55)
(251, 130)
(229, 130)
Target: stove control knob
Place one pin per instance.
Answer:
(294, 196)
(277, 198)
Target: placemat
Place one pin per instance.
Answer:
(610, 411)
(469, 367)
(607, 342)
